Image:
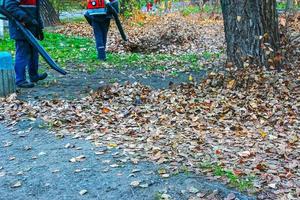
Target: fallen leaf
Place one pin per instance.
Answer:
(78, 159)
(114, 165)
(230, 196)
(244, 154)
(112, 145)
(83, 192)
(165, 175)
(17, 184)
(193, 190)
(135, 183)
(262, 133)
(2, 174)
(105, 110)
(231, 84)
(145, 185)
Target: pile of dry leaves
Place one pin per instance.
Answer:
(170, 33)
(249, 124)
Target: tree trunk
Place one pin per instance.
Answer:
(49, 16)
(251, 30)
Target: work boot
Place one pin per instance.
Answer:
(39, 77)
(25, 85)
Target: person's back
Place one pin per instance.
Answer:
(99, 18)
(27, 12)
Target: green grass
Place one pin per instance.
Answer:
(209, 9)
(80, 53)
(158, 196)
(189, 10)
(65, 50)
(240, 182)
(67, 5)
(282, 6)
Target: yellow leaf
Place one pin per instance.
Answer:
(162, 171)
(262, 133)
(231, 84)
(112, 145)
(190, 78)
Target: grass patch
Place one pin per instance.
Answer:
(210, 9)
(79, 53)
(240, 182)
(189, 10)
(67, 5)
(282, 6)
(158, 196)
(193, 9)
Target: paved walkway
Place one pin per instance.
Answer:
(34, 164)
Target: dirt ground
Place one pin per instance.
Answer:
(35, 164)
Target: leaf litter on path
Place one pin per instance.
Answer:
(191, 124)
(247, 121)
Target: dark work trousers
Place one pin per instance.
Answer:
(26, 56)
(100, 32)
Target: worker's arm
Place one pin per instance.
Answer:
(13, 6)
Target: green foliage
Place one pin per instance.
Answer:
(128, 6)
(80, 53)
(189, 10)
(193, 9)
(242, 183)
(68, 5)
(210, 9)
(281, 5)
(127, 14)
(158, 196)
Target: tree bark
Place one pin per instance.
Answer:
(251, 30)
(289, 5)
(49, 16)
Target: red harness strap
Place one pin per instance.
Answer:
(28, 2)
(95, 4)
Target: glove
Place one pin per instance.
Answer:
(31, 22)
(40, 35)
(34, 22)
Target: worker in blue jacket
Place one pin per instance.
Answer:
(99, 18)
(28, 13)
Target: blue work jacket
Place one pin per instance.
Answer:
(24, 11)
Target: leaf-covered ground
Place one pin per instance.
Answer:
(249, 126)
(171, 33)
(242, 127)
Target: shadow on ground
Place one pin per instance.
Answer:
(75, 84)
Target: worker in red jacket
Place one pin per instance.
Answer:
(149, 6)
(27, 12)
(99, 18)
